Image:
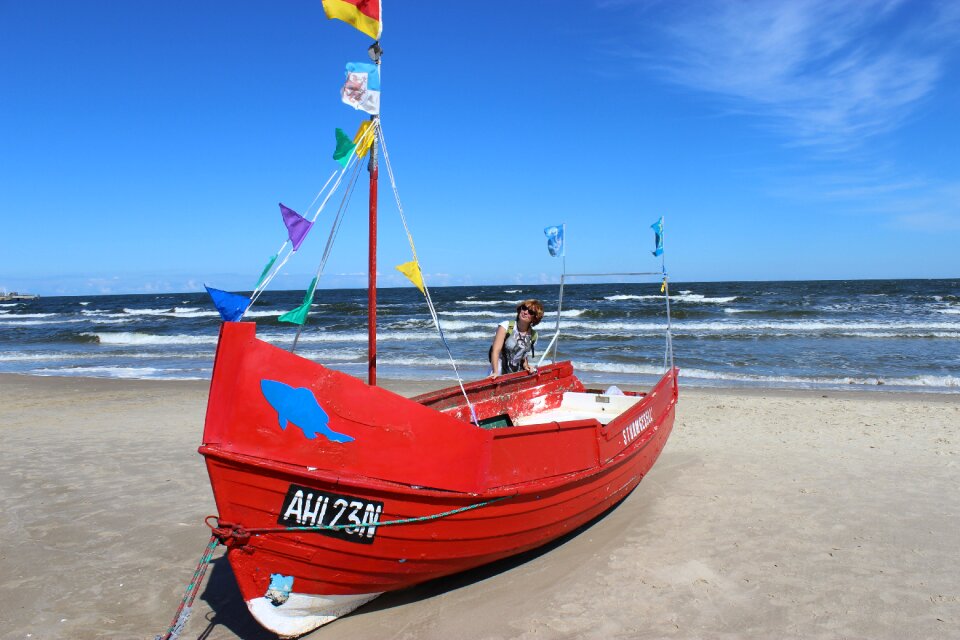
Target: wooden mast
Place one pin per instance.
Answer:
(375, 52)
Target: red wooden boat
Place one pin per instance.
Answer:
(332, 490)
(423, 491)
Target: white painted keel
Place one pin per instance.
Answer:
(302, 612)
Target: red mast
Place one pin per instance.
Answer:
(375, 52)
(372, 275)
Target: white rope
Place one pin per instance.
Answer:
(351, 163)
(426, 290)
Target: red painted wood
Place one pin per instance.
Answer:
(372, 272)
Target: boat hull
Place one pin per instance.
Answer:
(477, 497)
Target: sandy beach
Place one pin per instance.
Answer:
(770, 514)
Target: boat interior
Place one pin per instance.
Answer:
(552, 394)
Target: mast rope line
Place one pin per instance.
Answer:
(331, 239)
(351, 163)
(190, 594)
(426, 289)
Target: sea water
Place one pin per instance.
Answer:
(867, 334)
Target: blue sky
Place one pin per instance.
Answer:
(145, 146)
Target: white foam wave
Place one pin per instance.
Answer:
(36, 357)
(567, 313)
(135, 338)
(949, 311)
(609, 367)
(683, 296)
(30, 315)
(110, 372)
(489, 303)
(8, 322)
(912, 381)
(146, 312)
(121, 372)
(625, 296)
(512, 290)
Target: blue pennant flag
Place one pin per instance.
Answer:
(555, 240)
(658, 233)
(230, 305)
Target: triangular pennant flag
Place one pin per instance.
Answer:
(663, 285)
(362, 88)
(658, 236)
(344, 149)
(364, 140)
(555, 240)
(266, 269)
(297, 225)
(364, 15)
(412, 271)
(230, 305)
(299, 315)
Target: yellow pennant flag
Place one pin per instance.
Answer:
(364, 144)
(412, 271)
(663, 285)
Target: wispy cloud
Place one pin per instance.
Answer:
(821, 72)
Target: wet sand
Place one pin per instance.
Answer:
(770, 514)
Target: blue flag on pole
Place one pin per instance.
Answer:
(230, 305)
(658, 236)
(555, 240)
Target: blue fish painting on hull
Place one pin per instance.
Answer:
(300, 407)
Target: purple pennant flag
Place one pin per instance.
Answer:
(297, 226)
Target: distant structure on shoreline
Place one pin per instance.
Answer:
(13, 295)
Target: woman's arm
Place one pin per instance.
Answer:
(498, 339)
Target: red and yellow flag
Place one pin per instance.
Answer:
(362, 14)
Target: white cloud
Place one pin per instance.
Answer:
(822, 72)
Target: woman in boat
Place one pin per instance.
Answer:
(514, 340)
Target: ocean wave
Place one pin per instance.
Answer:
(29, 315)
(137, 338)
(139, 373)
(610, 367)
(9, 322)
(566, 313)
(910, 381)
(683, 296)
(147, 312)
(489, 303)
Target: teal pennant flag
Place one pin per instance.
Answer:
(345, 147)
(299, 315)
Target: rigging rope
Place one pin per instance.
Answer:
(186, 603)
(352, 163)
(334, 231)
(426, 290)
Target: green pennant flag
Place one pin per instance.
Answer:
(345, 147)
(299, 315)
(266, 269)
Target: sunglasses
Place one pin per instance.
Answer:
(529, 310)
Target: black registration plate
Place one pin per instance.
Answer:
(346, 517)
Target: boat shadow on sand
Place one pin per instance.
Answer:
(228, 609)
